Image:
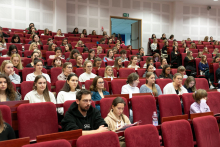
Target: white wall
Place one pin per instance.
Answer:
(19, 13)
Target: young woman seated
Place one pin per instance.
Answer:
(150, 86)
(216, 51)
(12, 50)
(205, 51)
(154, 45)
(2, 40)
(41, 92)
(117, 45)
(58, 53)
(98, 90)
(49, 41)
(7, 92)
(88, 74)
(40, 54)
(200, 105)
(73, 54)
(35, 39)
(109, 72)
(33, 46)
(80, 44)
(131, 86)
(15, 39)
(110, 41)
(150, 68)
(52, 47)
(67, 70)
(123, 56)
(149, 60)
(193, 45)
(34, 55)
(141, 52)
(68, 48)
(91, 55)
(118, 63)
(186, 50)
(7, 68)
(68, 92)
(97, 62)
(176, 86)
(171, 37)
(85, 50)
(84, 32)
(189, 63)
(64, 42)
(79, 61)
(166, 73)
(46, 32)
(182, 71)
(175, 57)
(115, 50)
(163, 36)
(203, 65)
(190, 84)
(164, 53)
(116, 119)
(184, 45)
(38, 66)
(109, 56)
(16, 61)
(57, 62)
(94, 32)
(216, 42)
(99, 50)
(6, 131)
(163, 62)
(133, 63)
(156, 57)
(59, 33)
(199, 55)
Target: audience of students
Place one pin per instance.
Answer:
(41, 92)
(98, 90)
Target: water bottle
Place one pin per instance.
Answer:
(155, 119)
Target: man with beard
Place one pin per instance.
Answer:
(81, 115)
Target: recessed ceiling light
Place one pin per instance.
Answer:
(215, 0)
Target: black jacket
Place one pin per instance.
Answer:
(74, 120)
(218, 74)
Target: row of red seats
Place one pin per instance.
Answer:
(198, 46)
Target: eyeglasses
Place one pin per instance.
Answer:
(87, 101)
(101, 82)
(13, 51)
(69, 67)
(89, 66)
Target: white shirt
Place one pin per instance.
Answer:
(83, 77)
(153, 46)
(34, 97)
(65, 96)
(127, 89)
(32, 76)
(169, 89)
(199, 108)
(136, 67)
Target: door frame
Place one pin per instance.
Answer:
(139, 20)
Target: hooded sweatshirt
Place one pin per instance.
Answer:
(115, 124)
(74, 120)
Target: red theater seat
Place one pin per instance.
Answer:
(54, 74)
(88, 83)
(117, 84)
(53, 143)
(125, 72)
(101, 72)
(187, 99)
(27, 71)
(6, 114)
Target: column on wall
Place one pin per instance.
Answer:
(60, 16)
(177, 21)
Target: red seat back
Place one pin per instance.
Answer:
(110, 63)
(6, 114)
(143, 105)
(169, 105)
(187, 101)
(141, 71)
(158, 72)
(79, 71)
(26, 61)
(58, 143)
(101, 72)
(149, 138)
(3, 58)
(125, 72)
(48, 53)
(67, 54)
(174, 71)
(117, 84)
(180, 129)
(109, 139)
(37, 119)
(54, 74)
(27, 53)
(214, 102)
(206, 131)
(106, 103)
(26, 71)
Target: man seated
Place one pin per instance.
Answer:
(81, 115)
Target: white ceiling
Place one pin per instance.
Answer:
(200, 2)
(121, 26)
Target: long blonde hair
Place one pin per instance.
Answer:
(193, 44)
(206, 39)
(153, 85)
(188, 55)
(202, 59)
(107, 67)
(216, 42)
(215, 51)
(36, 50)
(205, 51)
(31, 46)
(19, 64)
(4, 63)
(77, 45)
